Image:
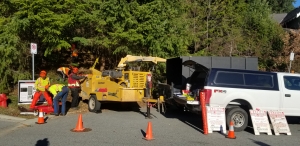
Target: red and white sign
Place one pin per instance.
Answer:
(216, 119)
(279, 122)
(33, 48)
(149, 76)
(260, 122)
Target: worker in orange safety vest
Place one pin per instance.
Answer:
(74, 85)
(65, 71)
(41, 84)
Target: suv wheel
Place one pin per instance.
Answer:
(239, 117)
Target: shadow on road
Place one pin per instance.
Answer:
(259, 143)
(143, 132)
(44, 142)
(191, 119)
(293, 120)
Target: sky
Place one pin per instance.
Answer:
(297, 3)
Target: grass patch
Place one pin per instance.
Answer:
(12, 109)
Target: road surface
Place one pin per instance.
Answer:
(113, 127)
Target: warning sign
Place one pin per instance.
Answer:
(279, 122)
(216, 119)
(260, 122)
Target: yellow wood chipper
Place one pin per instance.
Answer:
(122, 84)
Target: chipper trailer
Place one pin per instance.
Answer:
(122, 84)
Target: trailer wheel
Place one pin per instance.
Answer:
(94, 105)
(239, 117)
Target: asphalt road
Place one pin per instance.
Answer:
(128, 128)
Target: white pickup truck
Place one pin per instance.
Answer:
(241, 90)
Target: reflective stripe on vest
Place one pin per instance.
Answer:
(72, 82)
(74, 85)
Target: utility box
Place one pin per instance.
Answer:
(177, 74)
(26, 91)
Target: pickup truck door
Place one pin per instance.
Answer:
(290, 94)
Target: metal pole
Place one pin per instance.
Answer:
(32, 66)
(148, 116)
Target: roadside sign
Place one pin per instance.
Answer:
(33, 48)
(260, 122)
(279, 122)
(292, 56)
(216, 119)
(26, 92)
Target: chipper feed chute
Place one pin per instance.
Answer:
(130, 58)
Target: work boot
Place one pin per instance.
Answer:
(54, 114)
(61, 114)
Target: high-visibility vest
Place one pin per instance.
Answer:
(72, 83)
(40, 83)
(65, 70)
(54, 89)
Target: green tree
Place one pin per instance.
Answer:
(264, 35)
(281, 6)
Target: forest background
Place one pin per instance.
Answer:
(164, 28)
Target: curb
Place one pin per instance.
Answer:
(15, 119)
(23, 121)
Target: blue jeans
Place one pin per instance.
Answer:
(63, 96)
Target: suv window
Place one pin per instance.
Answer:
(259, 80)
(291, 82)
(229, 78)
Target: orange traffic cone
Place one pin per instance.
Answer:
(230, 134)
(149, 135)
(41, 119)
(79, 126)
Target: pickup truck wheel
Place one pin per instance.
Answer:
(239, 117)
(94, 105)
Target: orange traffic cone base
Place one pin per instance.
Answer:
(83, 130)
(78, 130)
(234, 137)
(148, 139)
(40, 122)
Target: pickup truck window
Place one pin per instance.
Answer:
(232, 78)
(292, 82)
(259, 80)
(244, 79)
